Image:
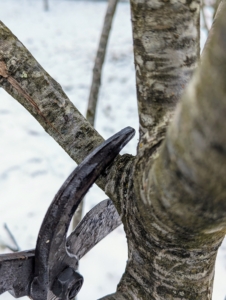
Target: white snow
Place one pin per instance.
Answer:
(33, 167)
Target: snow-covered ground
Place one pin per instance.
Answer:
(32, 165)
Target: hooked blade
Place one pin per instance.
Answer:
(96, 225)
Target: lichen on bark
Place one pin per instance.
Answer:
(51, 108)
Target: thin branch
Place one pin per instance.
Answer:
(16, 248)
(96, 81)
(100, 56)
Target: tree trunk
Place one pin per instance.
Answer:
(171, 196)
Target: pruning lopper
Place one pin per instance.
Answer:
(49, 271)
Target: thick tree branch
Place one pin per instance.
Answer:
(44, 98)
(176, 220)
(196, 142)
(23, 77)
(182, 199)
(166, 49)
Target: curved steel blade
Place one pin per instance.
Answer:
(96, 225)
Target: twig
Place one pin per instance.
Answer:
(94, 90)
(100, 56)
(16, 248)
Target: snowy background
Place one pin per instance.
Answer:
(32, 166)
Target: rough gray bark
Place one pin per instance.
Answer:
(181, 197)
(171, 199)
(185, 194)
(23, 78)
(166, 48)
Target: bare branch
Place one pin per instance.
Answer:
(24, 78)
(4, 245)
(96, 81)
(94, 90)
(16, 248)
